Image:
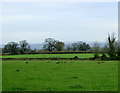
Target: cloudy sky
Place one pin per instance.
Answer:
(65, 21)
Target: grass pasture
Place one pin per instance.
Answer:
(87, 55)
(68, 75)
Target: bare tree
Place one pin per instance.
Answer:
(53, 45)
(24, 46)
(112, 45)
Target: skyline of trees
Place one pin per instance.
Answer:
(16, 48)
(111, 48)
(78, 46)
(49, 45)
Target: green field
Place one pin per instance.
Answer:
(47, 75)
(88, 55)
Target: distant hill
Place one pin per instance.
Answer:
(33, 46)
(102, 44)
(39, 46)
(36, 46)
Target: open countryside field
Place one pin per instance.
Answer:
(87, 55)
(65, 75)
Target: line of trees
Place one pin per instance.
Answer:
(49, 45)
(17, 48)
(55, 45)
(78, 46)
(111, 48)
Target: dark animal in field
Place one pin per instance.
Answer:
(17, 70)
(26, 62)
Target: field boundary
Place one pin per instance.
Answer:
(54, 52)
(46, 59)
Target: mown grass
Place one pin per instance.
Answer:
(67, 75)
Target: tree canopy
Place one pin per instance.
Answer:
(53, 45)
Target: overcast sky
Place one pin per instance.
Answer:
(65, 21)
